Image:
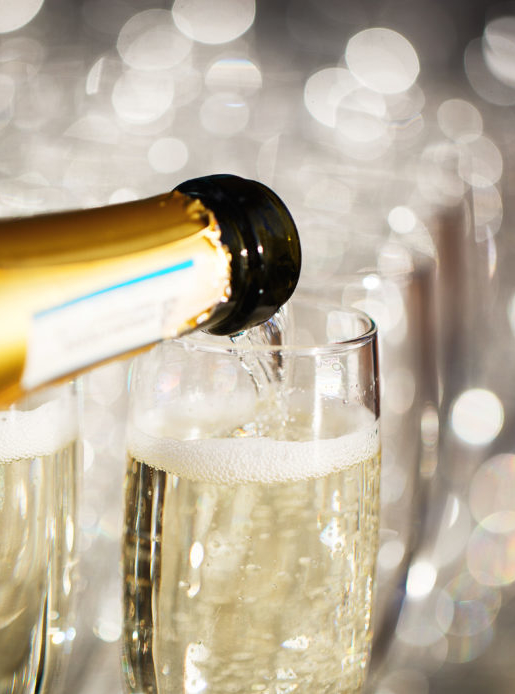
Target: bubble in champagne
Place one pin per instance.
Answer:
(37, 432)
(260, 459)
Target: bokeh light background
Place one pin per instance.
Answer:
(390, 122)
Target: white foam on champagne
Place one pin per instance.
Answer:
(257, 459)
(41, 431)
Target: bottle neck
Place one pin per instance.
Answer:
(100, 233)
(80, 288)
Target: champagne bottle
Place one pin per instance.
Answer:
(78, 288)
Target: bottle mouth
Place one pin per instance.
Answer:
(264, 243)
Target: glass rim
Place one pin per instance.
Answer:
(209, 343)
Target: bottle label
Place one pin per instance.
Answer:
(118, 318)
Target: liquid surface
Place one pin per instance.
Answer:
(240, 459)
(260, 585)
(26, 434)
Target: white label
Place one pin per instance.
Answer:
(109, 321)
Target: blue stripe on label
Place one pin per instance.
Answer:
(135, 280)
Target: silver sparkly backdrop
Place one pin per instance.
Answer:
(388, 127)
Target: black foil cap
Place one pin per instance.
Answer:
(264, 243)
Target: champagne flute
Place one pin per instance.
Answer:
(39, 461)
(251, 514)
